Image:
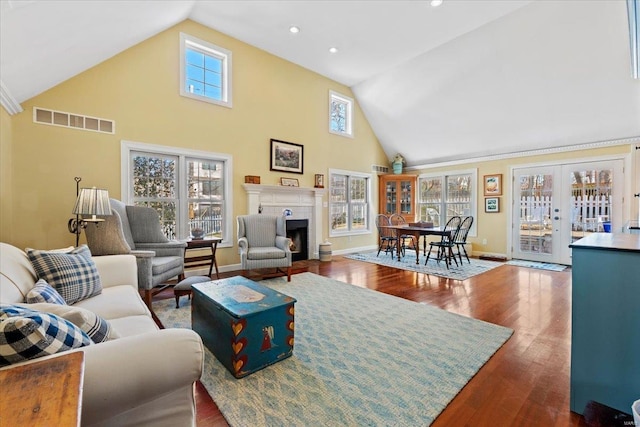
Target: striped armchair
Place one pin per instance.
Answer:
(263, 243)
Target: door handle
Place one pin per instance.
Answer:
(556, 218)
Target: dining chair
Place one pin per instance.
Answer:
(461, 239)
(446, 243)
(397, 219)
(386, 236)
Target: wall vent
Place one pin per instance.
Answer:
(72, 120)
(380, 169)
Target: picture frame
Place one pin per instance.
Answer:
(319, 181)
(492, 204)
(289, 182)
(286, 156)
(493, 185)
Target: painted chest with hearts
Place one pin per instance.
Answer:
(247, 326)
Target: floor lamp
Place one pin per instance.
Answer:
(89, 202)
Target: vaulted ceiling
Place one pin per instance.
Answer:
(470, 78)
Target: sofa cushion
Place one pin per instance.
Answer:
(162, 264)
(28, 334)
(115, 302)
(44, 292)
(133, 325)
(98, 329)
(73, 274)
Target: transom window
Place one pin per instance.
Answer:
(349, 202)
(442, 196)
(188, 189)
(205, 71)
(340, 114)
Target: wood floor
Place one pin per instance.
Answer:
(526, 383)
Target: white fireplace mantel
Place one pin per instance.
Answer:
(304, 202)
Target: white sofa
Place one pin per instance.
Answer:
(143, 378)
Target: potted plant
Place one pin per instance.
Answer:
(397, 164)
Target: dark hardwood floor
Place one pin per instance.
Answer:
(526, 383)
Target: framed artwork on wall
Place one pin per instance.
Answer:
(493, 185)
(492, 204)
(286, 156)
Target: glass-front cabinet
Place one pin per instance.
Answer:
(397, 195)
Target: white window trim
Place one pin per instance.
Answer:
(227, 100)
(349, 101)
(474, 192)
(126, 147)
(333, 233)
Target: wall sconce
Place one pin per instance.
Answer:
(89, 201)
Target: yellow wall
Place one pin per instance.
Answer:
(494, 226)
(139, 89)
(6, 193)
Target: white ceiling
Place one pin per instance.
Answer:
(469, 78)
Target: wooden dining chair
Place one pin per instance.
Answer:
(446, 243)
(386, 236)
(397, 219)
(461, 239)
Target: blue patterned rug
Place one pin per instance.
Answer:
(361, 358)
(538, 265)
(408, 262)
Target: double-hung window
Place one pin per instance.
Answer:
(189, 189)
(205, 71)
(340, 114)
(444, 195)
(349, 202)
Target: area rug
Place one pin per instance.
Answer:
(538, 265)
(408, 262)
(361, 358)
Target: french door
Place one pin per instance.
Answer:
(553, 206)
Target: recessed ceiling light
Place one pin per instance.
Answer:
(333, 49)
(436, 3)
(294, 29)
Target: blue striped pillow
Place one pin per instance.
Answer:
(28, 334)
(44, 292)
(73, 274)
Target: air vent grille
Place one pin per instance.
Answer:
(72, 120)
(380, 169)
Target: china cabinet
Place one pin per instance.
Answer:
(397, 195)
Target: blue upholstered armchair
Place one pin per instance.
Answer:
(136, 230)
(263, 243)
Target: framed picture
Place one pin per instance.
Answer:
(289, 182)
(286, 156)
(492, 204)
(493, 185)
(319, 182)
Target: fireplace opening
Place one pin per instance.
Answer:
(298, 232)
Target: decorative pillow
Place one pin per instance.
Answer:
(73, 275)
(98, 329)
(43, 292)
(28, 334)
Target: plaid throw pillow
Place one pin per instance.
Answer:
(28, 334)
(73, 275)
(43, 292)
(98, 329)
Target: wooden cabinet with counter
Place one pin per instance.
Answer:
(605, 321)
(398, 195)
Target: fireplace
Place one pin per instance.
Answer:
(298, 232)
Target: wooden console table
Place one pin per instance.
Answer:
(203, 260)
(45, 393)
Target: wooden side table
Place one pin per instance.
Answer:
(45, 393)
(203, 260)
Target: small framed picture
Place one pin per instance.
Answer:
(319, 182)
(289, 182)
(492, 204)
(286, 156)
(493, 185)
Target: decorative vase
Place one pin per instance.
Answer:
(397, 167)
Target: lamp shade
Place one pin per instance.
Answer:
(92, 201)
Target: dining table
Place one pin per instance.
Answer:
(415, 231)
